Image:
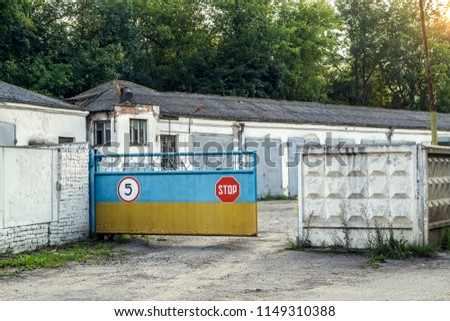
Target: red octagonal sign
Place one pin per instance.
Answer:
(228, 189)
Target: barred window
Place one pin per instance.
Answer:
(168, 145)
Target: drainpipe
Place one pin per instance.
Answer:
(236, 129)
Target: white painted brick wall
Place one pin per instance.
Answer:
(71, 221)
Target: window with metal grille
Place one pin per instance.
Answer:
(138, 132)
(168, 145)
(102, 133)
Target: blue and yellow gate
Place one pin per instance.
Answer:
(174, 193)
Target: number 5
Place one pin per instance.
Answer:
(128, 186)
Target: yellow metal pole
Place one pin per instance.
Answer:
(433, 116)
(433, 119)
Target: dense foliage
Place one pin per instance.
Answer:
(360, 52)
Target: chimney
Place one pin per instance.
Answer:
(125, 94)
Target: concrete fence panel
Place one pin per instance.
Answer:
(29, 179)
(44, 196)
(438, 185)
(346, 194)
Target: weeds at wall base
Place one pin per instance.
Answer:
(52, 257)
(296, 244)
(424, 251)
(380, 249)
(398, 249)
(375, 258)
(340, 250)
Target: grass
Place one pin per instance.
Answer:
(375, 262)
(399, 249)
(52, 257)
(388, 247)
(127, 238)
(381, 247)
(429, 251)
(122, 238)
(294, 244)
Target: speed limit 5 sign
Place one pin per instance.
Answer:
(128, 189)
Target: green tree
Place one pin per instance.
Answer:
(104, 42)
(34, 48)
(362, 41)
(243, 60)
(439, 35)
(401, 71)
(17, 31)
(176, 42)
(271, 49)
(305, 49)
(383, 63)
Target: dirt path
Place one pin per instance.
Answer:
(207, 268)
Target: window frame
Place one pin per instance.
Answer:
(66, 140)
(169, 162)
(105, 132)
(144, 136)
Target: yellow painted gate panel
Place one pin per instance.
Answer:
(178, 218)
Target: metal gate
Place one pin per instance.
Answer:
(174, 193)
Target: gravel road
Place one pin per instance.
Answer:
(225, 268)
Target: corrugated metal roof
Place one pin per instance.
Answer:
(12, 93)
(104, 97)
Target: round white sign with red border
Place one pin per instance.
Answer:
(128, 189)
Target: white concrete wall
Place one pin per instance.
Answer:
(186, 126)
(43, 124)
(44, 196)
(345, 196)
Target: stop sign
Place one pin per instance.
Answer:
(228, 189)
